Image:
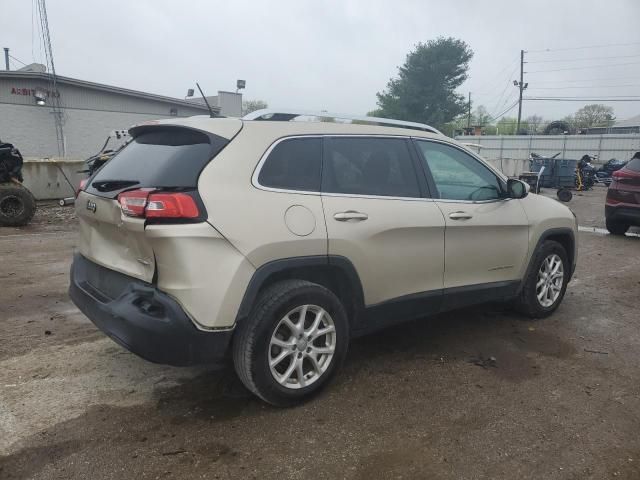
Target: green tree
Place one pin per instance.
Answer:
(594, 115)
(249, 106)
(455, 126)
(535, 124)
(507, 126)
(490, 130)
(571, 121)
(424, 90)
(480, 116)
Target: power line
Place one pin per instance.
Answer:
(17, 60)
(632, 77)
(582, 47)
(587, 86)
(508, 99)
(513, 105)
(582, 59)
(585, 67)
(501, 97)
(603, 96)
(579, 99)
(499, 75)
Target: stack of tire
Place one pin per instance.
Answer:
(17, 204)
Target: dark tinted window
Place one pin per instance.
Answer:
(369, 166)
(162, 158)
(293, 164)
(634, 164)
(457, 175)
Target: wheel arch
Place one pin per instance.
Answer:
(565, 237)
(333, 272)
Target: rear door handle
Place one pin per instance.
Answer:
(460, 216)
(350, 215)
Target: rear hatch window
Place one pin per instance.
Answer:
(634, 165)
(157, 157)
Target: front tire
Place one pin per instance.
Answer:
(293, 342)
(546, 282)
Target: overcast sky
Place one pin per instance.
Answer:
(335, 55)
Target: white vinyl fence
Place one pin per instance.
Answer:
(511, 153)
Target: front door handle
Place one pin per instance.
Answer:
(460, 216)
(350, 215)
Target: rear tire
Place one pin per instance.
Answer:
(17, 205)
(266, 336)
(529, 302)
(616, 228)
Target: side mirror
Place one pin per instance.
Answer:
(516, 188)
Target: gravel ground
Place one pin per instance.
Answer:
(474, 394)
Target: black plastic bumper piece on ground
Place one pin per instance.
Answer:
(144, 320)
(623, 214)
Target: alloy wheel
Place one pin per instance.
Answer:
(302, 346)
(550, 280)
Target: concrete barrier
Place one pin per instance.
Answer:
(45, 178)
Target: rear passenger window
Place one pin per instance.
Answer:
(293, 164)
(369, 166)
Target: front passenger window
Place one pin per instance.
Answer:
(457, 175)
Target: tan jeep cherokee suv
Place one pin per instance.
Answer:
(274, 241)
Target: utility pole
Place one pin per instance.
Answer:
(521, 86)
(469, 112)
(56, 105)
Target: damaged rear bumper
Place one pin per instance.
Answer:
(141, 318)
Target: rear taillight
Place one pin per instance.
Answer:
(171, 205)
(618, 174)
(145, 203)
(133, 202)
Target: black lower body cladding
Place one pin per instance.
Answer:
(626, 215)
(141, 318)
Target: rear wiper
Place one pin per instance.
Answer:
(110, 185)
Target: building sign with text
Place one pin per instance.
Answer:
(30, 92)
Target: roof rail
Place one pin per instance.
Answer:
(281, 115)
